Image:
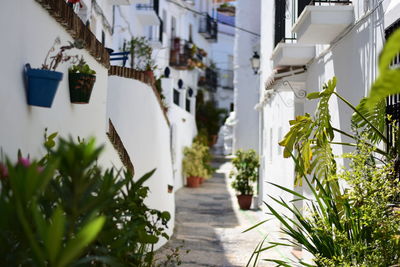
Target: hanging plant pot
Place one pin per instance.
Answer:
(80, 87)
(41, 86)
(244, 201)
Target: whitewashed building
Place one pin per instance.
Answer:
(303, 45)
(125, 113)
(246, 82)
(222, 56)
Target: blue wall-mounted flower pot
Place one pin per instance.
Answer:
(41, 86)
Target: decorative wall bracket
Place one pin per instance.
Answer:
(300, 94)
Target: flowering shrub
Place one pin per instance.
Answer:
(64, 210)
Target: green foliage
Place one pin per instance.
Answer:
(172, 258)
(42, 231)
(310, 138)
(196, 161)
(389, 78)
(64, 210)
(357, 227)
(245, 171)
(209, 118)
(160, 92)
(141, 53)
(376, 116)
(81, 67)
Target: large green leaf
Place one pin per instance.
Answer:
(376, 116)
(388, 81)
(55, 234)
(389, 51)
(77, 245)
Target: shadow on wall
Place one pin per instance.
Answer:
(354, 62)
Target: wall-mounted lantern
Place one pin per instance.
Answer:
(255, 62)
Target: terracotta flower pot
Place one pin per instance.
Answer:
(193, 181)
(150, 75)
(201, 180)
(244, 201)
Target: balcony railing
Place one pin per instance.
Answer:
(225, 79)
(180, 53)
(153, 5)
(185, 55)
(329, 2)
(208, 27)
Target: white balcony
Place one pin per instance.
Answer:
(147, 15)
(322, 24)
(292, 54)
(121, 2)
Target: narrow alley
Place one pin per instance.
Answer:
(209, 223)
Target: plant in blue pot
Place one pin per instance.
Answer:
(42, 84)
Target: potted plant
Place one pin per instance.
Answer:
(245, 172)
(193, 166)
(81, 82)
(204, 149)
(42, 84)
(150, 67)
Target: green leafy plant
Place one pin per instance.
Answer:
(158, 86)
(36, 231)
(245, 171)
(196, 161)
(141, 53)
(173, 257)
(358, 225)
(311, 137)
(209, 118)
(81, 67)
(65, 210)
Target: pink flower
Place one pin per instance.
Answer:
(24, 162)
(3, 171)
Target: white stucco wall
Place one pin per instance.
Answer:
(353, 60)
(245, 81)
(131, 105)
(222, 56)
(135, 112)
(28, 40)
(183, 128)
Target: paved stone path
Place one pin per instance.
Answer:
(210, 224)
